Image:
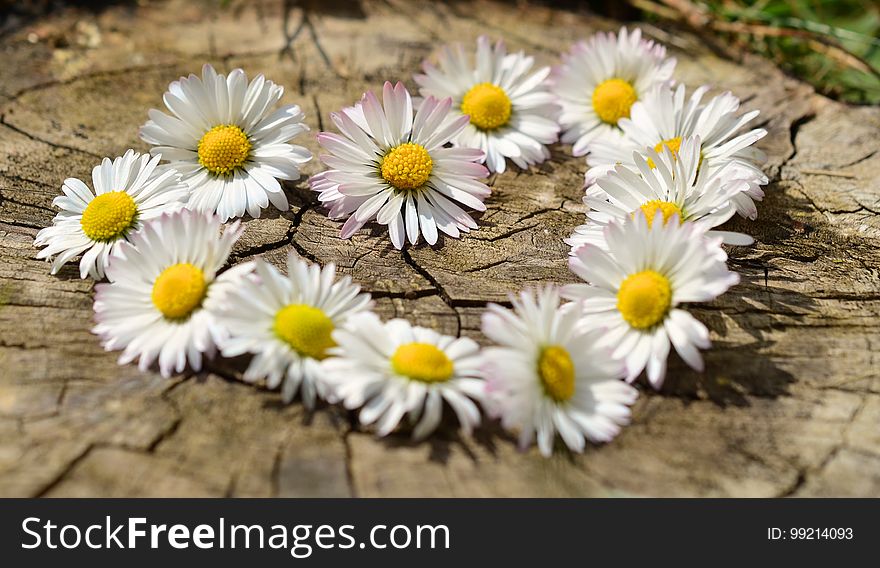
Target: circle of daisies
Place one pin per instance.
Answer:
(663, 171)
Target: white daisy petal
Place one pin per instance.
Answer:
(511, 113)
(390, 167)
(668, 181)
(663, 263)
(161, 302)
(393, 370)
(287, 323)
(600, 79)
(131, 191)
(544, 375)
(665, 121)
(227, 142)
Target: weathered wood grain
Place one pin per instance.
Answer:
(789, 403)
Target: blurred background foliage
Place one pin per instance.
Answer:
(833, 44)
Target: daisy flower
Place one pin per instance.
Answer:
(227, 141)
(512, 114)
(668, 182)
(286, 322)
(636, 284)
(664, 118)
(396, 369)
(393, 168)
(548, 375)
(164, 291)
(600, 80)
(128, 191)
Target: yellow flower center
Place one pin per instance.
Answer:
(488, 106)
(306, 329)
(407, 166)
(613, 99)
(673, 144)
(179, 290)
(556, 370)
(108, 216)
(422, 362)
(668, 208)
(223, 149)
(644, 299)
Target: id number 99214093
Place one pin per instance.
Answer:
(810, 533)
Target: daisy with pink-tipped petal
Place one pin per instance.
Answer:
(548, 375)
(228, 141)
(599, 81)
(512, 113)
(165, 289)
(665, 118)
(636, 283)
(390, 166)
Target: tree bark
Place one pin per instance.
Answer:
(789, 403)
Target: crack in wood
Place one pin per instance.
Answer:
(49, 143)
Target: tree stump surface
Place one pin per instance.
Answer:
(789, 403)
